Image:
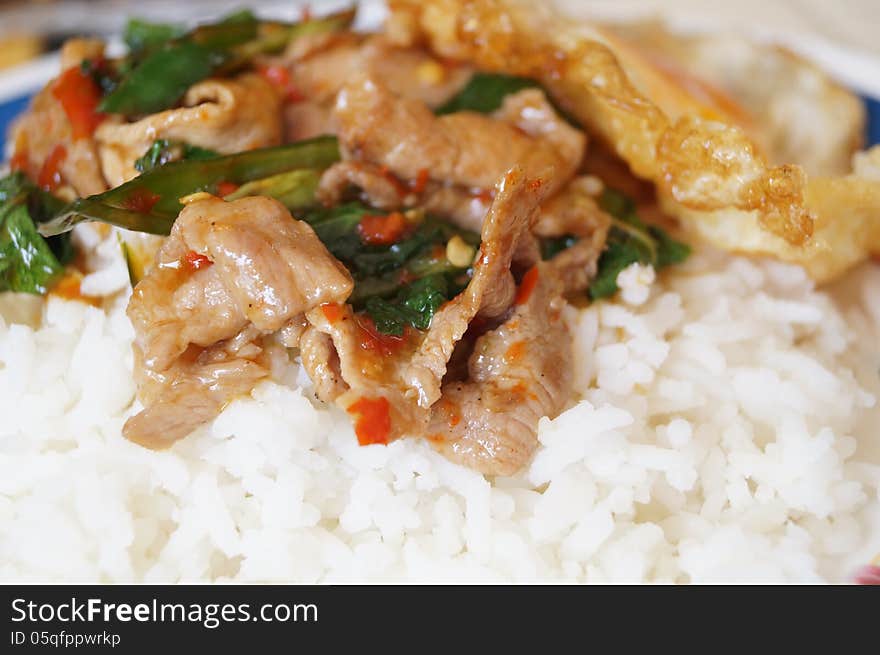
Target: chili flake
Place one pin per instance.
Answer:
(373, 425)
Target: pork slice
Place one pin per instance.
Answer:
(492, 287)
(407, 372)
(518, 373)
(465, 149)
(320, 66)
(199, 330)
(225, 115)
(193, 390)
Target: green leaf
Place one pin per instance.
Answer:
(105, 73)
(140, 35)
(485, 92)
(27, 263)
(12, 186)
(163, 64)
(239, 16)
(414, 305)
(161, 79)
(631, 241)
(617, 256)
(619, 205)
(336, 227)
(552, 246)
(669, 251)
(294, 189)
(164, 151)
(17, 190)
(388, 318)
(424, 297)
(399, 284)
(168, 183)
(235, 29)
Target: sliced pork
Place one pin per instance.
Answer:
(229, 274)
(225, 115)
(517, 373)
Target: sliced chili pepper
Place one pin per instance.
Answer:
(378, 343)
(50, 174)
(524, 291)
(79, 96)
(398, 184)
(279, 77)
(382, 230)
(332, 311)
(225, 188)
(194, 261)
(373, 424)
(485, 195)
(421, 181)
(141, 200)
(18, 161)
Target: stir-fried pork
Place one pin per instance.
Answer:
(466, 149)
(318, 70)
(518, 373)
(467, 348)
(45, 132)
(405, 375)
(458, 156)
(223, 115)
(573, 210)
(229, 271)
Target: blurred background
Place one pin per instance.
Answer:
(30, 27)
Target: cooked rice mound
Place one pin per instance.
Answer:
(726, 431)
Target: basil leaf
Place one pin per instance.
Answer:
(161, 79)
(164, 151)
(485, 92)
(140, 35)
(27, 263)
(164, 185)
(631, 241)
(414, 305)
(399, 284)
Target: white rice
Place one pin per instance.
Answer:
(727, 431)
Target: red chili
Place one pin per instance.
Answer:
(332, 311)
(194, 261)
(530, 279)
(19, 161)
(373, 424)
(485, 195)
(141, 200)
(421, 181)
(225, 188)
(401, 188)
(79, 96)
(371, 340)
(50, 174)
(279, 77)
(382, 230)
